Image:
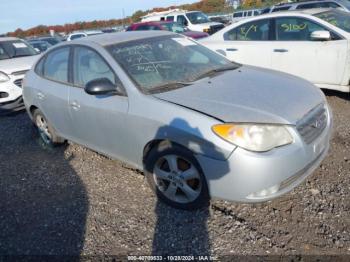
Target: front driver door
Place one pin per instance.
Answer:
(294, 52)
(98, 121)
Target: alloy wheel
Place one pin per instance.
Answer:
(177, 178)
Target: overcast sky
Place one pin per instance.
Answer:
(29, 13)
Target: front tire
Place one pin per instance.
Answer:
(46, 131)
(176, 177)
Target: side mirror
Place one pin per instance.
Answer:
(37, 49)
(101, 86)
(320, 36)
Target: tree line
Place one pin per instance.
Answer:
(206, 6)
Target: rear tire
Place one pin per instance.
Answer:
(45, 129)
(176, 177)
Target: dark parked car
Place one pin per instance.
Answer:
(168, 26)
(42, 46)
(50, 39)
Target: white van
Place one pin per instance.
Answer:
(239, 15)
(194, 20)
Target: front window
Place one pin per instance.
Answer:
(88, 66)
(295, 29)
(197, 18)
(337, 18)
(156, 62)
(16, 48)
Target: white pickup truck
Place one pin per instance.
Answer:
(193, 20)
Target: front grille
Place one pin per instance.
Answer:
(18, 82)
(313, 124)
(215, 28)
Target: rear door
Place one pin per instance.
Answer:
(52, 91)
(248, 43)
(98, 121)
(294, 52)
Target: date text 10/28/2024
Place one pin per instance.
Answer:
(172, 258)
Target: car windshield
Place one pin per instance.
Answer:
(15, 48)
(197, 18)
(160, 63)
(337, 18)
(174, 27)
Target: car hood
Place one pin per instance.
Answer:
(19, 64)
(249, 94)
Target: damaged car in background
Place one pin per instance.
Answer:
(16, 58)
(199, 125)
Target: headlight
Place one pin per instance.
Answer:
(4, 77)
(206, 30)
(254, 137)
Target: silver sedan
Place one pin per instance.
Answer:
(199, 125)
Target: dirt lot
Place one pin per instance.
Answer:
(70, 200)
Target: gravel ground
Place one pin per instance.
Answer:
(70, 200)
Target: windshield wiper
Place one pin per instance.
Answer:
(217, 70)
(169, 86)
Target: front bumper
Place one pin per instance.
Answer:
(250, 177)
(12, 106)
(11, 95)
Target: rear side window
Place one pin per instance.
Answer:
(252, 31)
(56, 65)
(89, 65)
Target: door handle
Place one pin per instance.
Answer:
(75, 105)
(40, 96)
(280, 50)
(231, 49)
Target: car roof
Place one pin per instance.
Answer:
(3, 39)
(120, 37)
